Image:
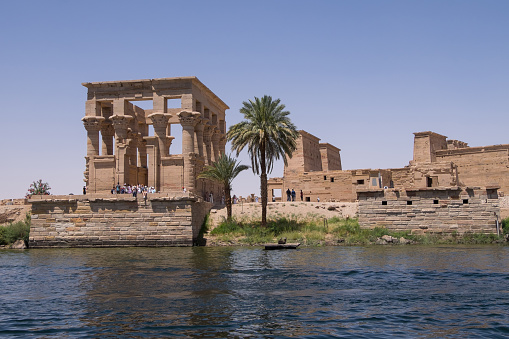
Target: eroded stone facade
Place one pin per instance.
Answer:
(121, 151)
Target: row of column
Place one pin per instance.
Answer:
(192, 125)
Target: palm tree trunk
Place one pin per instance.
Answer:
(263, 184)
(227, 193)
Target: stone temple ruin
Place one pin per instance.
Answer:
(120, 149)
(448, 186)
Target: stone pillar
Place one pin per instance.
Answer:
(121, 125)
(160, 121)
(207, 139)
(107, 133)
(216, 135)
(142, 161)
(200, 126)
(132, 143)
(222, 144)
(188, 120)
(92, 125)
(153, 165)
(142, 153)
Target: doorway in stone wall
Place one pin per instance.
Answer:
(277, 194)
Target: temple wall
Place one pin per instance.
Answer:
(115, 220)
(425, 175)
(441, 210)
(482, 166)
(333, 185)
(102, 169)
(172, 175)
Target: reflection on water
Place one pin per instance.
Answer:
(404, 291)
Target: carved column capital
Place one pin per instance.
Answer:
(92, 124)
(207, 132)
(188, 118)
(160, 120)
(201, 125)
(121, 121)
(216, 134)
(121, 124)
(107, 128)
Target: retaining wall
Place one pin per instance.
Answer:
(435, 210)
(116, 220)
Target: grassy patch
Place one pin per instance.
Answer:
(320, 231)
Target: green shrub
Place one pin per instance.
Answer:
(14, 231)
(283, 225)
(505, 225)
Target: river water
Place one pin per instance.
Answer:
(247, 292)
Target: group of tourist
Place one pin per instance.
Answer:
(209, 197)
(290, 195)
(134, 190)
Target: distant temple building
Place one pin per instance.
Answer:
(121, 151)
(448, 187)
(315, 168)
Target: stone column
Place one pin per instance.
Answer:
(142, 162)
(222, 144)
(160, 121)
(121, 125)
(132, 140)
(188, 120)
(207, 139)
(153, 165)
(216, 135)
(92, 125)
(107, 133)
(142, 153)
(199, 128)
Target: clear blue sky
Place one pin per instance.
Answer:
(361, 75)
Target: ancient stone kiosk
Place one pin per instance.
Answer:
(123, 151)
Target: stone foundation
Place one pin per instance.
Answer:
(431, 210)
(116, 220)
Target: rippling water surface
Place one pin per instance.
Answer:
(202, 292)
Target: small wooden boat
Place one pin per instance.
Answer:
(282, 246)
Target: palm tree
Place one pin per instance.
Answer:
(268, 134)
(224, 170)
